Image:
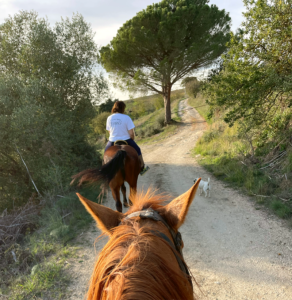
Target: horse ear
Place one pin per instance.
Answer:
(178, 208)
(105, 217)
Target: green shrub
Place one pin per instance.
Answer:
(151, 130)
(160, 121)
(46, 104)
(209, 136)
(158, 102)
(99, 123)
(280, 209)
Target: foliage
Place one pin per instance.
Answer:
(38, 271)
(255, 83)
(281, 210)
(199, 103)
(46, 87)
(160, 121)
(99, 123)
(164, 43)
(153, 124)
(223, 151)
(106, 106)
(143, 106)
(159, 102)
(192, 86)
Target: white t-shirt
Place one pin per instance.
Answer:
(118, 125)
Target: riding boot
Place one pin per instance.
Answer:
(143, 168)
(141, 161)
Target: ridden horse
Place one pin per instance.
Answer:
(121, 163)
(143, 257)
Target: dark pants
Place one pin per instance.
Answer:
(130, 143)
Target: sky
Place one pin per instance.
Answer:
(105, 16)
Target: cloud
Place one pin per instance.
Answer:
(105, 16)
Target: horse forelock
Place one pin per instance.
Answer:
(134, 264)
(156, 201)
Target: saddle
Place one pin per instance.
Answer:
(120, 143)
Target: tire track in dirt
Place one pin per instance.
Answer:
(234, 251)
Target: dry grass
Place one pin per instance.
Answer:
(13, 227)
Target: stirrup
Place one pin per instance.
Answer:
(144, 170)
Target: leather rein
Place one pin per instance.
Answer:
(176, 244)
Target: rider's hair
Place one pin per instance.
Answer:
(119, 107)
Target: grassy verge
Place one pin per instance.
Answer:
(199, 103)
(153, 128)
(143, 106)
(223, 153)
(34, 267)
(175, 108)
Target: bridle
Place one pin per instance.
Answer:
(176, 244)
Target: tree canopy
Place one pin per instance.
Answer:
(47, 87)
(164, 43)
(107, 105)
(255, 83)
(192, 86)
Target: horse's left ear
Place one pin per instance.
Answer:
(178, 208)
(105, 217)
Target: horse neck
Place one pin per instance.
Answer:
(137, 265)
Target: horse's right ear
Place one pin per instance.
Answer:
(105, 217)
(178, 208)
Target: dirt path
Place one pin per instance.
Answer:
(234, 251)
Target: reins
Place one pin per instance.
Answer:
(176, 245)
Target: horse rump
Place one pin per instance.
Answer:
(106, 173)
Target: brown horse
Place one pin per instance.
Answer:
(142, 259)
(121, 163)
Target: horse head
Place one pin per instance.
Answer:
(143, 257)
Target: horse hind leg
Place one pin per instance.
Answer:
(123, 188)
(116, 196)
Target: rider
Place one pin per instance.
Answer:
(121, 127)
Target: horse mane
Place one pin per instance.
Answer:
(132, 265)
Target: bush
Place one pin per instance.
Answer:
(209, 136)
(192, 86)
(281, 209)
(151, 130)
(141, 133)
(46, 104)
(99, 123)
(158, 102)
(160, 121)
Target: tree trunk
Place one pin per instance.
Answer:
(167, 107)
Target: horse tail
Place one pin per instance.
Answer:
(117, 163)
(106, 173)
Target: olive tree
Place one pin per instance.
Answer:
(47, 85)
